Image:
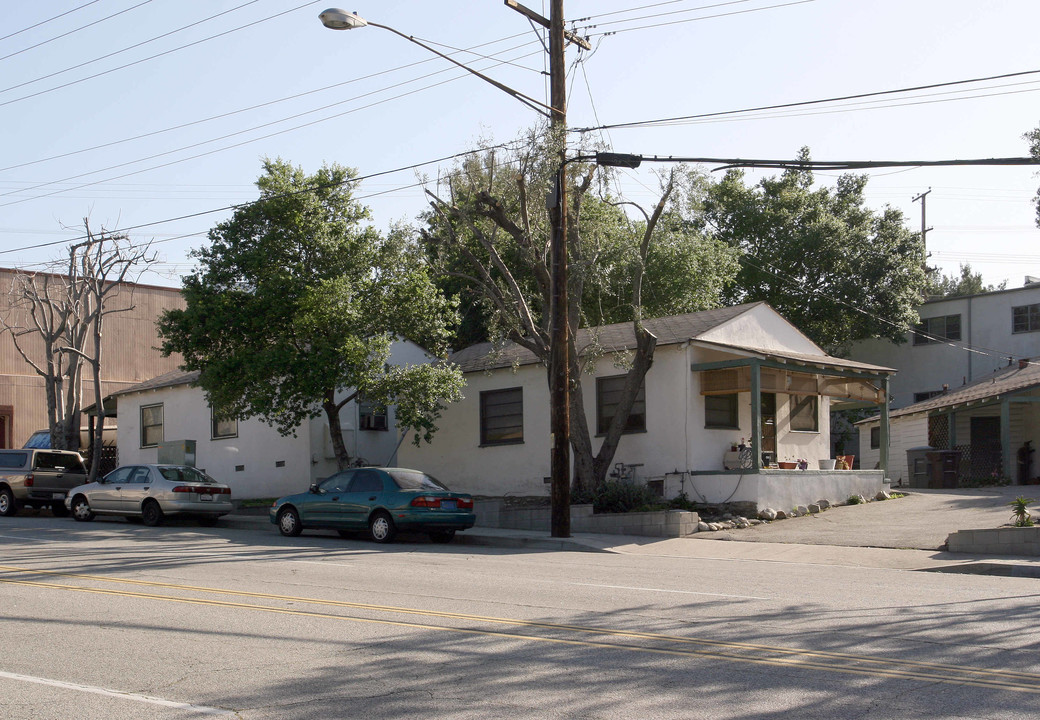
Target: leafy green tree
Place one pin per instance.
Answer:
(488, 233)
(838, 270)
(969, 283)
(1033, 136)
(295, 304)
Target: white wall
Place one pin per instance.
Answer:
(985, 327)
(675, 437)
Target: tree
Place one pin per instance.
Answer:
(489, 234)
(838, 270)
(1033, 136)
(294, 307)
(66, 310)
(969, 283)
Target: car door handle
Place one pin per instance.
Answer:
(335, 498)
(372, 498)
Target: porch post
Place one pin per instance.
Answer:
(756, 416)
(1005, 439)
(884, 426)
(951, 425)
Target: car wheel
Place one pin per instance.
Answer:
(208, 520)
(442, 536)
(58, 509)
(381, 527)
(151, 513)
(81, 509)
(289, 522)
(8, 505)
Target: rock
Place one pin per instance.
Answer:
(882, 495)
(802, 510)
(814, 509)
(755, 521)
(824, 504)
(780, 515)
(703, 527)
(767, 514)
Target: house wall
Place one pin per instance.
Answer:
(904, 433)
(129, 355)
(675, 439)
(986, 342)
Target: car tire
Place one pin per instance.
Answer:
(8, 505)
(151, 513)
(81, 511)
(208, 520)
(381, 527)
(442, 536)
(289, 522)
(58, 509)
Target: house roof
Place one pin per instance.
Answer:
(1011, 379)
(669, 331)
(825, 361)
(174, 377)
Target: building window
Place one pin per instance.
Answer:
(875, 438)
(502, 416)
(608, 396)
(922, 396)
(720, 411)
(1025, 318)
(219, 428)
(804, 413)
(937, 329)
(372, 416)
(151, 425)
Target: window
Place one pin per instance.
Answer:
(608, 396)
(922, 396)
(151, 425)
(720, 411)
(804, 415)
(366, 481)
(1025, 318)
(875, 438)
(502, 416)
(371, 416)
(219, 428)
(937, 329)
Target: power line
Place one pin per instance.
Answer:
(696, 19)
(51, 19)
(803, 103)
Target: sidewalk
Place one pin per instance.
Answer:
(713, 546)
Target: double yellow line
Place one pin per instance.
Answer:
(653, 643)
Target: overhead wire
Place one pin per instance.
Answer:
(689, 20)
(70, 32)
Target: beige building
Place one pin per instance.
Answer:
(130, 356)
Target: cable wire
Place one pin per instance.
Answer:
(44, 22)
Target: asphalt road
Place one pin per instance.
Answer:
(114, 620)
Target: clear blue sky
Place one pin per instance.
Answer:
(371, 100)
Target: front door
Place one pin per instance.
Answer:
(769, 424)
(323, 510)
(986, 454)
(106, 496)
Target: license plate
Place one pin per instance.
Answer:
(206, 498)
(449, 505)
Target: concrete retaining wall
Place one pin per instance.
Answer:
(662, 523)
(999, 541)
(784, 489)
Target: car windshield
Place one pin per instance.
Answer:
(415, 480)
(183, 473)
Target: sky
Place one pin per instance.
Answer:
(153, 116)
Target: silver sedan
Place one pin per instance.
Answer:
(151, 492)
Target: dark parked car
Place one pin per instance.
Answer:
(379, 500)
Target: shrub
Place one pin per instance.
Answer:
(618, 497)
(854, 500)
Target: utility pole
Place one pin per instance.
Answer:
(924, 227)
(559, 314)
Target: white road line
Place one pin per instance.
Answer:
(682, 592)
(201, 709)
(30, 537)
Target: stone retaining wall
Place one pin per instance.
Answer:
(999, 541)
(662, 523)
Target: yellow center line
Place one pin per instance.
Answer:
(790, 657)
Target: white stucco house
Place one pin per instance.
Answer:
(249, 455)
(987, 430)
(718, 377)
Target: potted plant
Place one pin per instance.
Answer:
(826, 463)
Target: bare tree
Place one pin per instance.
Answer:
(66, 309)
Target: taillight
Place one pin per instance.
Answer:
(201, 490)
(465, 503)
(29, 480)
(426, 501)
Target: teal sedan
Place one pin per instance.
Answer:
(379, 500)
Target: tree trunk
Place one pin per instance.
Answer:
(335, 430)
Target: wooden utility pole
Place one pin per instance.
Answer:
(924, 227)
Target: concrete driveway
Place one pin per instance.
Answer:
(921, 520)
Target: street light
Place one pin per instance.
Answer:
(336, 19)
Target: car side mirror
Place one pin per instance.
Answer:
(314, 489)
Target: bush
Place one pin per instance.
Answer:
(618, 497)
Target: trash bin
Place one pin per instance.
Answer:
(943, 466)
(917, 466)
